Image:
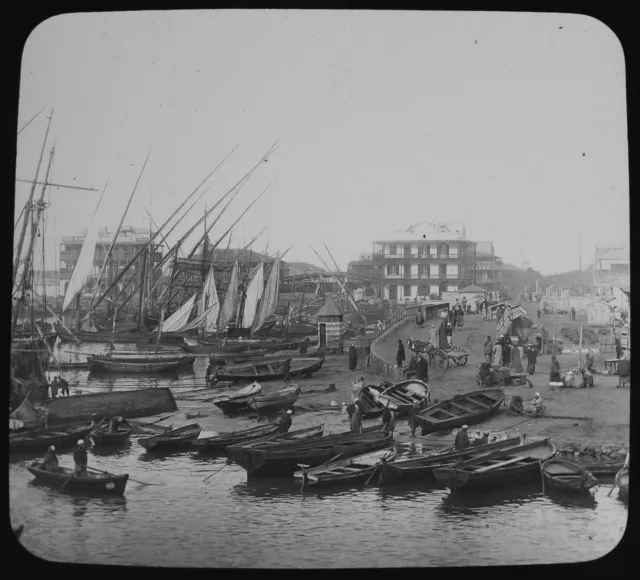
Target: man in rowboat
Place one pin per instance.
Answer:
(80, 459)
(50, 460)
(115, 423)
(462, 438)
(285, 421)
(413, 411)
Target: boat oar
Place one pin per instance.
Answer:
(373, 472)
(66, 481)
(541, 474)
(130, 479)
(217, 471)
(612, 488)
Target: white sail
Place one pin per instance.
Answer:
(82, 271)
(201, 320)
(179, 318)
(253, 295)
(269, 297)
(230, 300)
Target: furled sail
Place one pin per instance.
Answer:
(269, 297)
(179, 318)
(82, 271)
(209, 303)
(230, 300)
(253, 295)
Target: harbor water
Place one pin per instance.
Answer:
(226, 521)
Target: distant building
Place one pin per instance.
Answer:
(488, 266)
(611, 267)
(427, 258)
(300, 268)
(368, 274)
(130, 241)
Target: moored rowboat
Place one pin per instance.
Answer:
(172, 439)
(567, 475)
(130, 364)
(345, 471)
(280, 399)
(103, 437)
(63, 479)
(219, 443)
(465, 409)
(269, 369)
(401, 396)
(237, 400)
(499, 468)
(40, 440)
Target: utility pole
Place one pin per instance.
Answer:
(580, 252)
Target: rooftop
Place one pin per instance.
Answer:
(429, 230)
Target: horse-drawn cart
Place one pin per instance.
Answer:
(441, 357)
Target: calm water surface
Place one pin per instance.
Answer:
(227, 522)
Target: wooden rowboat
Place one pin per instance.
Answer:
(63, 479)
(219, 443)
(236, 451)
(237, 400)
(465, 409)
(172, 439)
(605, 467)
(356, 469)
(281, 399)
(60, 437)
(622, 481)
(504, 467)
(401, 396)
(103, 437)
(281, 458)
(567, 475)
(268, 370)
(422, 466)
(127, 364)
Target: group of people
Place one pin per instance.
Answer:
(389, 417)
(80, 458)
(506, 354)
(58, 384)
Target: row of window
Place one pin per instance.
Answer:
(425, 250)
(423, 270)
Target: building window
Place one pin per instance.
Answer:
(393, 269)
(424, 249)
(452, 270)
(422, 270)
(392, 249)
(407, 290)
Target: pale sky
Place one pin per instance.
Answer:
(512, 123)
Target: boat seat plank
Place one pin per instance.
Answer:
(465, 409)
(443, 411)
(501, 464)
(479, 403)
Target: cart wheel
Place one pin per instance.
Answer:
(461, 361)
(441, 360)
(457, 361)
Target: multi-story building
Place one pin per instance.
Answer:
(130, 241)
(612, 266)
(428, 258)
(488, 266)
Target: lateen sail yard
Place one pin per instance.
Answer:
(82, 271)
(269, 297)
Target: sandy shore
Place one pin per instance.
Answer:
(606, 406)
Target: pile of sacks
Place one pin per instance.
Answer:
(577, 379)
(594, 450)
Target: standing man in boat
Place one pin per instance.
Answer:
(50, 460)
(353, 357)
(80, 459)
(413, 411)
(115, 423)
(462, 438)
(356, 419)
(285, 421)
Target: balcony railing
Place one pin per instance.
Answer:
(403, 256)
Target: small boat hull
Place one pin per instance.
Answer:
(401, 396)
(238, 400)
(103, 438)
(281, 399)
(219, 443)
(567, 476)
(64, 480)
(268, 370)
(172, 440)
(131, 366)
(37, 441)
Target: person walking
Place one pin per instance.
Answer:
(449, 332)
(422, 370)
(554, 373)
(64, 387)
(532, 357)
(356, 419)
(353, 357)
(400, 356)
(539, 313)
(516, 361)
(488, 350)
(462, 438)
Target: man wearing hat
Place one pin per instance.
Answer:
(80, 459)
(462, 438)
(353, 357)
(285, 421)
(422, 369)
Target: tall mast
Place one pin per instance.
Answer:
(28, 206)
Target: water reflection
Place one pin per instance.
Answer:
(469, 503)
(572, 500)
(115, 450)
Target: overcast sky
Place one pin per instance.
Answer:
(512, 123)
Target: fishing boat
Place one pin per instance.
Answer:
(567, 476)
(63, 479)
(102, 437)
(269, 370)
(238, 450)
(401, 396)
(219, 443)
(422, 465)
(237, 400)
(371, 408)
(280, 399)
(598, 467)
(172, 439)
(622, 481)
(356, 469)
(504, 467)
(128, 364)
(465, 409)
(39, 440)
(238, 357)
(281, 458)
